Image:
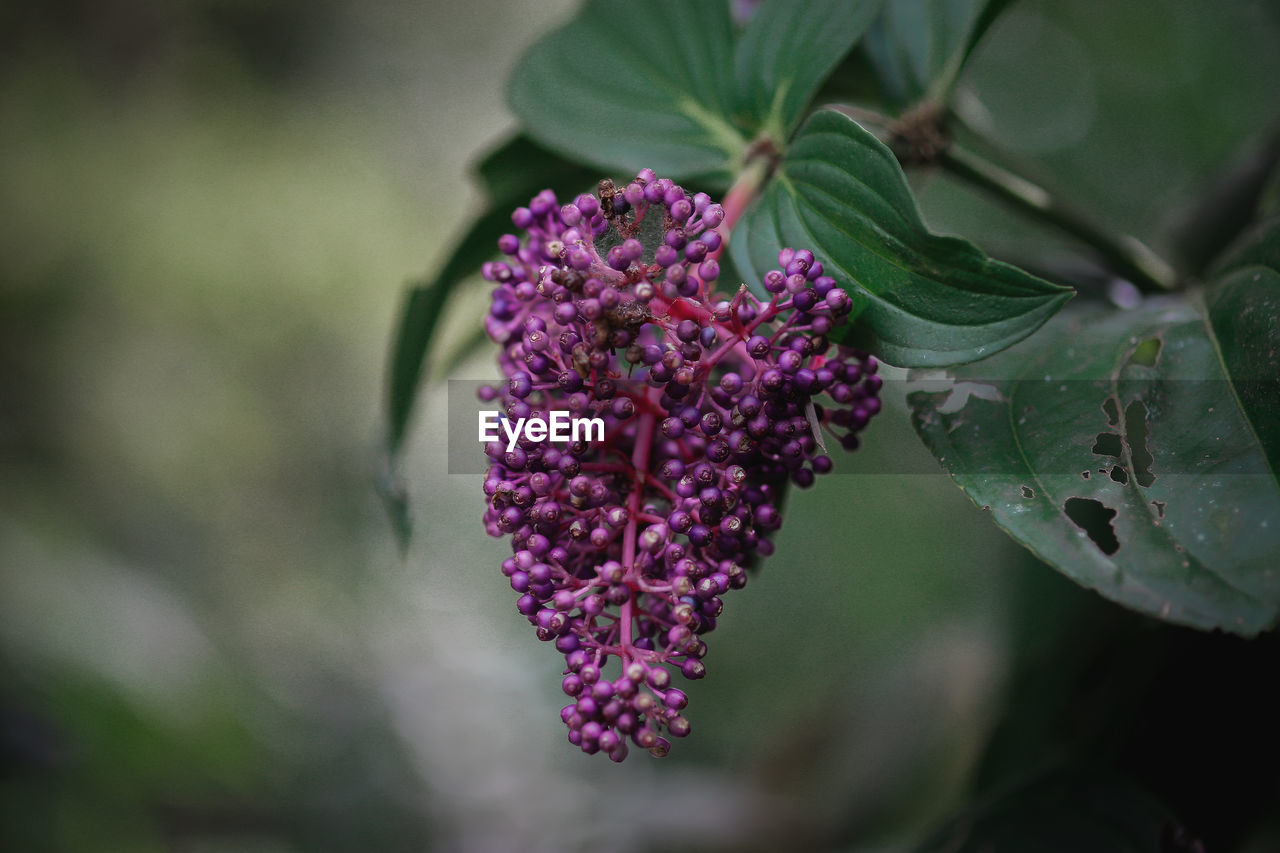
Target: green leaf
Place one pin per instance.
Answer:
(925, 300)
(511, 175)
(1243, 302)
(918, 47)
(1243, 306)
(1066, 811)
(1115, 446)
(520, 168)
(627, 85)
(789, 49)
(422, 307)
(424, 303)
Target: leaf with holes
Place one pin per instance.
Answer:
(924, 300)
(628, 85)
(788, 50)
(1114, 445)
(918, 47)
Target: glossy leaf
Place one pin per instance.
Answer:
(917, 47)
(1114, 445)
(925, 300)
(789, 50)
(627, 85)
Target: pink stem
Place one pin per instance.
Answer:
(640, 475)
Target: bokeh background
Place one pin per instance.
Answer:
(208, 640)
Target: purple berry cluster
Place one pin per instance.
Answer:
(624, 548)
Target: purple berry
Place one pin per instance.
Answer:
(706, 401)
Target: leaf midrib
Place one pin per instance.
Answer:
(789, 185)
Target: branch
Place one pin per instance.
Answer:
(1124, 254)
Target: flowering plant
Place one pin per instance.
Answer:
(723, 345)
(709, 411)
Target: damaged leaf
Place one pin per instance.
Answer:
(1182, 521)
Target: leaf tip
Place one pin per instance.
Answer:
(394, 495)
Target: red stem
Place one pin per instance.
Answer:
(640, 475)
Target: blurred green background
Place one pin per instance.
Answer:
(208, 641)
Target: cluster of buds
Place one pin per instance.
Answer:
(624, 546)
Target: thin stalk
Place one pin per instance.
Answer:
(742, 193)
(1126, 255)
(640, 474)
